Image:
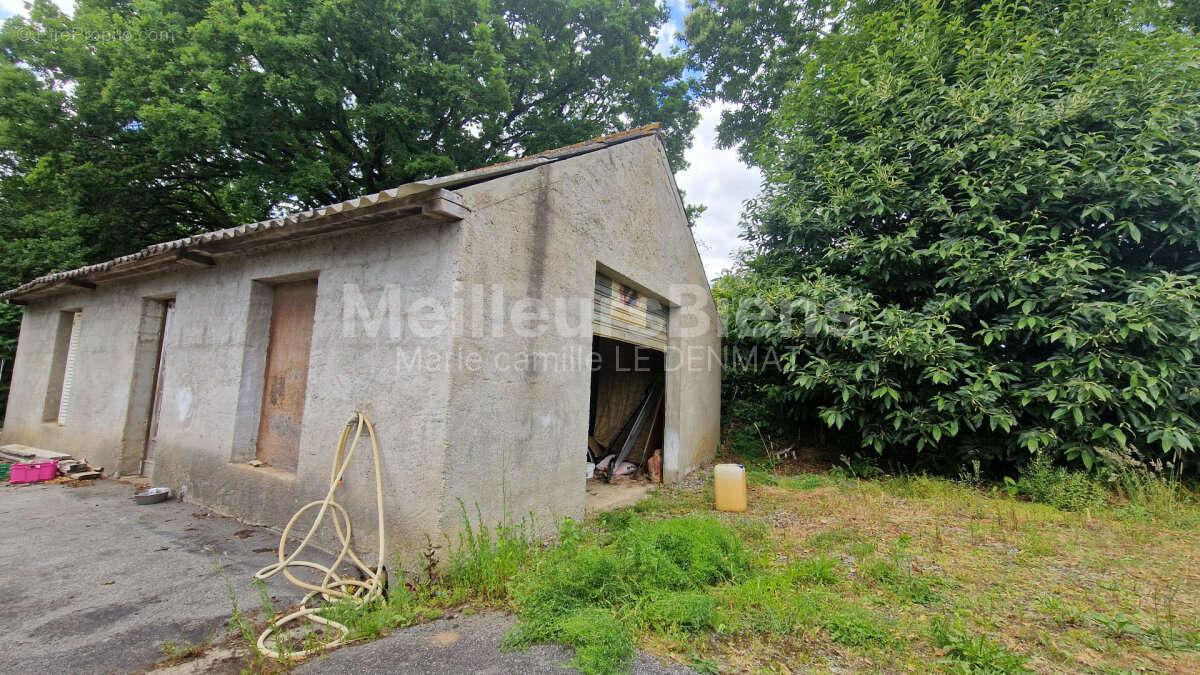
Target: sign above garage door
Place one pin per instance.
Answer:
(624, 313)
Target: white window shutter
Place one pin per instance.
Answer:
(64, 403)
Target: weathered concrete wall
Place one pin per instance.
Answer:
(517, 433)
(214, 358)
(103, 375)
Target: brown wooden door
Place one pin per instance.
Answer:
(286, 378)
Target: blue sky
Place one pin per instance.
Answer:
(714, 177)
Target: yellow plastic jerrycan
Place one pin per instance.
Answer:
(729, 486)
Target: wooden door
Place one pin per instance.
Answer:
(156, 401)
(286, 380)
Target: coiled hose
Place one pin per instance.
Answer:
(363, 589)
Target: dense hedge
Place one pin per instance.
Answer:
(980, 237)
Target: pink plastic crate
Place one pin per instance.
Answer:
(33, 472)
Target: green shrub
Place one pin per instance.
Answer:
(1063, 489)
(745, 442)
(680, 553)
(662, 566)
(368, 621)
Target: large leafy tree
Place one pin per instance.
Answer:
(136, 121)
(750, 51)
(981, 234)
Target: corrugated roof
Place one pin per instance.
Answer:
(353, 211)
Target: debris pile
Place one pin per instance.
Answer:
(24, 459)
(610, 461)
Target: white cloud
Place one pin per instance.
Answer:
(718, 180)
(666, 38)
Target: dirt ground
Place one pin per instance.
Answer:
(94, 583)
(602, 496)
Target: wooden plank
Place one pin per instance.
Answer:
(286, 381)
(643, 414)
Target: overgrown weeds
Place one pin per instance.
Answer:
(182, 650)
(968, 652)
(593, 588)
(1061, 488)
(486, 561)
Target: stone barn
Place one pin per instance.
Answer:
(501, 327)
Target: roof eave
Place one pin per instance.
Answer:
(417, 204)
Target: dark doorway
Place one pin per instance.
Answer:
(168, 313)
(626, 411)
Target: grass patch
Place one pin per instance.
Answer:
(818, 569)
(974, 653)
(894, 572)
(805, 481)
(687, 611)
(181, 651)
(402, 608)
(602, 644)
(843, 573)
(832, 539)
(856, 626)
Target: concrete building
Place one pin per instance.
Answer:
(459, 313)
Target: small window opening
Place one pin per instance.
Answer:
(63, 366)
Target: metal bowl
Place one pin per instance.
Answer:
(152, 496)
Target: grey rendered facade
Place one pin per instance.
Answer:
(455, 313)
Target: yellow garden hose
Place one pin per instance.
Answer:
(333, 586)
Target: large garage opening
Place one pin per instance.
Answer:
(628, 393)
